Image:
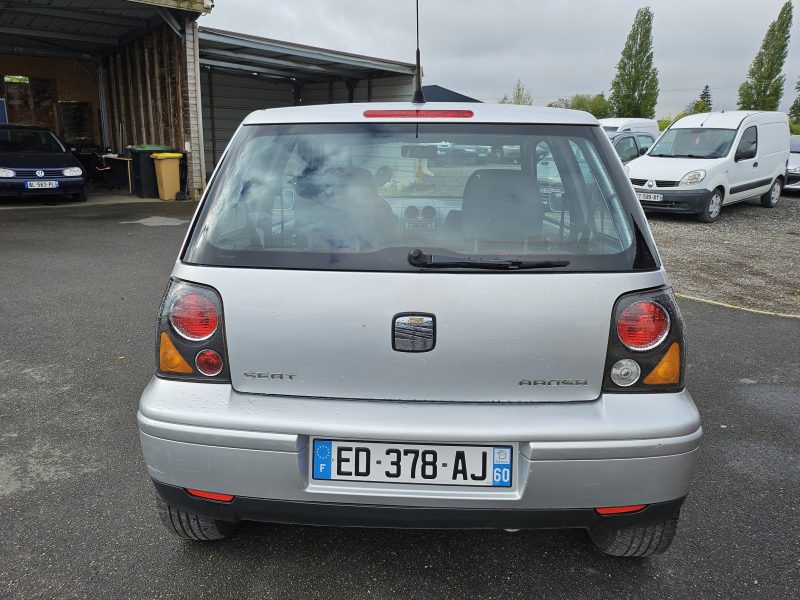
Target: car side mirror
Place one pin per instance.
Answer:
(745, 155)
(642, 151)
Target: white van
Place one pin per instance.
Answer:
(611, 126)
(706, 160)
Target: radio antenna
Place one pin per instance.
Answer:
(419, 97)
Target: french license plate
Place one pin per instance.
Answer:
(650, 197)
(489, 466)
(41, 185)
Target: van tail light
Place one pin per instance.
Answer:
(646, 348)
(190, 336)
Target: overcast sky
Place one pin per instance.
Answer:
(556, 47)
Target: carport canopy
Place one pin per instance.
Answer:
(84, 28)
(241, 53)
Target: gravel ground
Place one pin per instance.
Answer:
(748, 258)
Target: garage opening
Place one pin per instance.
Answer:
(106, 76)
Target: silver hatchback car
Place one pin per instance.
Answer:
(358, 333)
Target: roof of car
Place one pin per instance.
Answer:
(482, 113)
(617, 121)
(11, 126)
(720, 120)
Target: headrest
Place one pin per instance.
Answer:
(502, 205)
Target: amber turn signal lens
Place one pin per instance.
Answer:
(668, 369)
(169, 359)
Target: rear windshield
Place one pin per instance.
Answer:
(15, 140)
(366, 196)
(694, 143)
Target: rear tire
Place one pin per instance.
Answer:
(190, 526)
(637, 542)
(770, 199)
(713, 207)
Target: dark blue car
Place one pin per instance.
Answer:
(33, 162)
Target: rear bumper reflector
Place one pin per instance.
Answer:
(619, 510)
(211, 495)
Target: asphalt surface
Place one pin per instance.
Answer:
(80, 290)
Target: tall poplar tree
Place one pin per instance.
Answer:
(634, 91)
(794, 111)
(763, 88)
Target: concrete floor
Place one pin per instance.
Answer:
(96, 198)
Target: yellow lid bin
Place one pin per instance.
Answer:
(168, 170)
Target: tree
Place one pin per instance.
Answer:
(705, 98)
(763, 88)
(794, 111)
(561, 103)
(597, 105)
(519, 96)
(634, 91)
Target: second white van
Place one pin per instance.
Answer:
(612, 126)
(708, 160)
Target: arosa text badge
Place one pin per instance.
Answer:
(413, 332)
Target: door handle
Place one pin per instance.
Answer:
(755, 164)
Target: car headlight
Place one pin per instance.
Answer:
(73, 172)
(793, 169)
(6, 172)
(693, 177)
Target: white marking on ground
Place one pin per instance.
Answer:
(157, 222)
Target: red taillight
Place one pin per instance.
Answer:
(619, 510)
(419, 114)
(208, 363)
(211, 495)
(643, 325)
(194, 317)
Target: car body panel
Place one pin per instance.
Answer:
(546, 326)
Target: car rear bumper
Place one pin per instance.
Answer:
(622, 449)
(15, 187)
(677, 201)
(409, 517)
(792, 181)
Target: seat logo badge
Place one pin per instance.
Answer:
(40, 173)
(650, 184)
(413, 332)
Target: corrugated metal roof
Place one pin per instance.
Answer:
(82, 27)
(248, 53)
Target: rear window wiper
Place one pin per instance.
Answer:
(417, 258)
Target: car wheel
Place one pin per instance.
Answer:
(637, 542)
(770, 199)
(190, 526)
(80, 196)
(713, 208)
